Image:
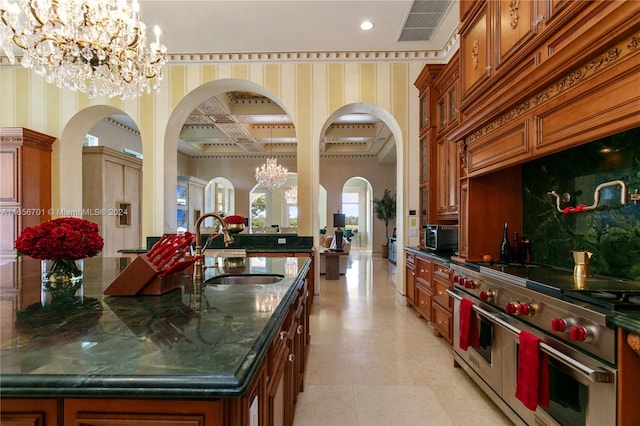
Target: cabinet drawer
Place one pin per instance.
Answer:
(423, 270)
(442, 322)
(441, 271)
(410, 258)
(440, 294)
(423, 302)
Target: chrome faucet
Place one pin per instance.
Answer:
(228, 239)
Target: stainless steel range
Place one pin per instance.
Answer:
(557, 308)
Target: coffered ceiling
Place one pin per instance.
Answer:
(241, 124)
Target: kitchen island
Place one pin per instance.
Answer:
(202, 354)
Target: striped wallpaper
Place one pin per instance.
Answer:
(309, 92)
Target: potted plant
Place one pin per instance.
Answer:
(385, 209)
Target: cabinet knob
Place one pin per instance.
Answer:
(283, 335)
(291, 357)
(299, 329)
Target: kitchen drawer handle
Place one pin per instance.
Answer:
(299, 329)
(593, 375)
(283, 335)
(292, 357)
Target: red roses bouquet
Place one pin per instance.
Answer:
(235, 220)
(66, 238)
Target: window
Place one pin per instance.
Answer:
(351, 208)
(90, 140)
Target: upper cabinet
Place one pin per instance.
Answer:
(439, 160)
(519, 64)
(447, 162)
(428, 128)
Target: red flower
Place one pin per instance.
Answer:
(68, 238)
(235, 219)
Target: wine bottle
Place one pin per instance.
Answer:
(516, 249)
(505, 246)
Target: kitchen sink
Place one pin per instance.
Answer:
(245, 279)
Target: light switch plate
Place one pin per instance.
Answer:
(282, 241)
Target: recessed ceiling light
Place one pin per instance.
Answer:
(366, 25)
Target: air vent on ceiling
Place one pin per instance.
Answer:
(423, 19)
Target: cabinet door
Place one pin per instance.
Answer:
(475, 50)
(410, 281)
(423, 302)
(442, 323)
(442, 192)
(447, 180)
(24, 412)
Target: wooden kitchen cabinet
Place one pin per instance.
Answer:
(25, 168)
(428, 128)
(428, 279)
(442, 306)
(447, 162)
(270, 398)
(439, 161)
(410, 278)
(424, 293)
(34, 412)
(520, 89)
(130, 412)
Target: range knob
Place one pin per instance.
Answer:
(562, 325)
(456, 278)
(469, 283)
(486, 295)
(526, 309)
(511, 308)
(579, 333)
(559, 324)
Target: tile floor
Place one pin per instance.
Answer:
(372, 362)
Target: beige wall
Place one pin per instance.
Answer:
(310, 92)
(334, 173)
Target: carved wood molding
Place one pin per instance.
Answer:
(513, 11)
(572, 79)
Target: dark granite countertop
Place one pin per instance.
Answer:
(178, 345)
(540, 277)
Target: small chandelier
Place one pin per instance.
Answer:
(291, 195)
(95, 46)
(271, 175)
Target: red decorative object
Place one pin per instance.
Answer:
(67, 238)
(234, 219)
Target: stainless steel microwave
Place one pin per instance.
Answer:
(441, 237)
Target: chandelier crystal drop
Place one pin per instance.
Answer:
(98, 47)
(271, 175)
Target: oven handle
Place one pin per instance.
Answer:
(601, 376)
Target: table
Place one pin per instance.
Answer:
(332, 262)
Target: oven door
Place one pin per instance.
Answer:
(582, 390)
(486, 362)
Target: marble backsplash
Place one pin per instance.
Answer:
(611, 231)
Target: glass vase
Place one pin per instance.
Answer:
(61, 280)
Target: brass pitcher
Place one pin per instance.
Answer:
(581, 260)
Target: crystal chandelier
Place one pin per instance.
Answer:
(270, 174)
(95, 46)
(291, 195)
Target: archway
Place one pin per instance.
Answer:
(393, 179)
(178, 118)
(112, 197)
(357, 194)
